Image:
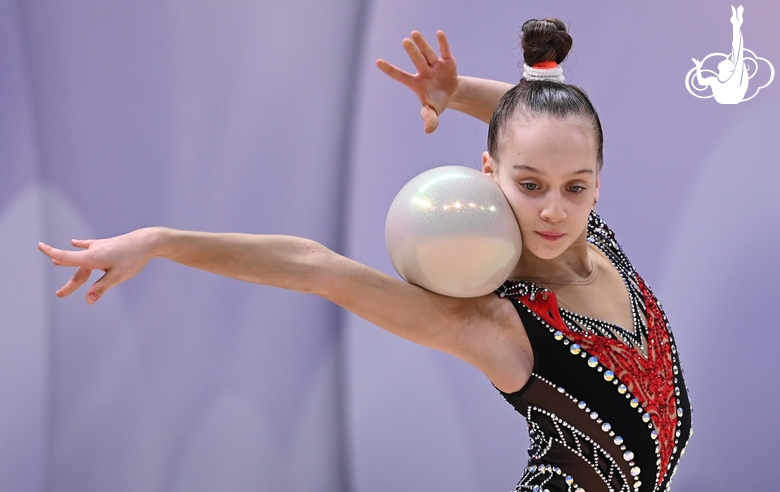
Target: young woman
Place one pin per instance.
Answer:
(575, 340)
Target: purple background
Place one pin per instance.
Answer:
(270, 117)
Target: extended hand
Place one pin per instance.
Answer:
(697, 62)
(436, 79)
(120, 257)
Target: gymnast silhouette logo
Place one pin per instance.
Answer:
(730, 84)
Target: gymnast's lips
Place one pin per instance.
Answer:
(550, 235)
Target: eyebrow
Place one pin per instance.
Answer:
(523, 167)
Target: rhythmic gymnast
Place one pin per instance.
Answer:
(574, 340)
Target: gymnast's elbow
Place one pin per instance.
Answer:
(316, 268)
(332, 276)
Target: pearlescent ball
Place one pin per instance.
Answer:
(451, 230)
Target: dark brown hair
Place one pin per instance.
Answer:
(543, 40)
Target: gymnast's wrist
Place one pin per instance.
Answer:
(455, 101)
(160, 242)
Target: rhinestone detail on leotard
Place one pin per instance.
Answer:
(642, 365)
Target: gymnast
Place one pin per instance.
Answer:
(574, 340)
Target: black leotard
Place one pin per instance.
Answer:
(607, 408)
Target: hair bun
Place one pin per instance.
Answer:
(545, 40)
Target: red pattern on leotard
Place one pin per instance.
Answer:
(650, 380)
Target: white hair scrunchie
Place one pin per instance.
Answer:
(555, 74)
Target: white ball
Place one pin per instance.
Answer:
(451, 230)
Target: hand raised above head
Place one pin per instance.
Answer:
(436, 80)
(120, 257)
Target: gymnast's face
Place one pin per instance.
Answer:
(547, 169)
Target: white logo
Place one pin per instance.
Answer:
(730, 84)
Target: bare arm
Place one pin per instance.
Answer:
(438, 86)
(478, 97)
(482, 331)
(306, 266)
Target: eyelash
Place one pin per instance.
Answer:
(535, 187)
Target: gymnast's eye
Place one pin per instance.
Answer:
(528, 186)
(576, 189)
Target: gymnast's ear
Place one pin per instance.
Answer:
(489, 166)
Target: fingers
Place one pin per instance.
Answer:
(431, 119)
(82, 275)
(97, 257)
(421, 54)
(425, 48)
(60, 257)
(82, 243)
(72, 258)
(444, 45)
(419, 61)
(100, 287)
(394, 72)
(53, 253)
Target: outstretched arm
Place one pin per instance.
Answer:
(438, 85)
(456, 326)
(484, 332)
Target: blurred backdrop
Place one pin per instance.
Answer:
(270, 117)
